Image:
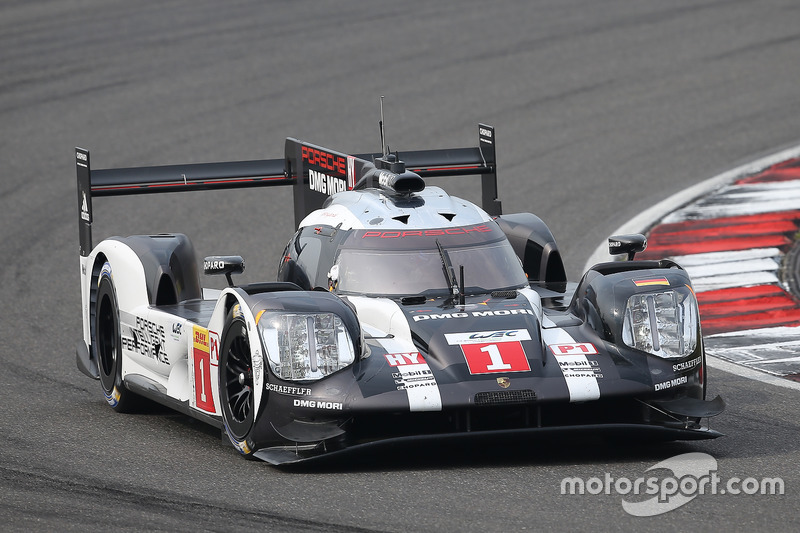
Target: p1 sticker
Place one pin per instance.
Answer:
(579, 348)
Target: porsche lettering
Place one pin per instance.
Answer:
(426, 232)
(325, 160)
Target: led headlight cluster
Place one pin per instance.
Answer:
(305, 346)
(662, 323)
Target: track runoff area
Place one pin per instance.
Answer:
(738, 236)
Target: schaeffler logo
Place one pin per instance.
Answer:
(693, 475)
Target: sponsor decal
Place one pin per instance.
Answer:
(146, 339)
(113, 398)
(686, 365)
(497, 312)
(580, 374)
(487, 352)
(385, 177)
(482, 228)
(258, 363)
(584, 348)
(483, 337)
(325, 183)
(213, 341)
(671, 383)
(85, 208)
(580, 368)
(324, 160)
(351, 172)
(412, 374)
(647, 282)
(201, 370)
(400, 359)
(316, 404)
(105, 272)
(214, 265)
(287, 390)
(242, 446)
(409, 376)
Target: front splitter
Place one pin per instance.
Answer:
(318, 454)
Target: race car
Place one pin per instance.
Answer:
(398, 313)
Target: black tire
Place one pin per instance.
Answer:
(236, 382)
(107, 346)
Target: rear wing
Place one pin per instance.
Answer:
(314, 171)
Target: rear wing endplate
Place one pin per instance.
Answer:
(314, 171)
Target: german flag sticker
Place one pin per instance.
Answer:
(646, 282)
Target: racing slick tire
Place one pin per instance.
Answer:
(236, 393)
(107, 346)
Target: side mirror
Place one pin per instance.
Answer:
(223, 264)
(627, 244)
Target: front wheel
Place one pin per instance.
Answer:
(236, 381)
(107, 346)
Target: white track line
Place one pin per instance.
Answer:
(750, 373)
(654, 215)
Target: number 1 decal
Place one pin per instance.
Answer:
(201, 361)
(504, 354)
(496, 357)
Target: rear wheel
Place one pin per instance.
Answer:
(107, 346)
(236, 381)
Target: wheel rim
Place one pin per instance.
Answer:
(106, 337)
(239, 379)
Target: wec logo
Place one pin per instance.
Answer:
(510, 334)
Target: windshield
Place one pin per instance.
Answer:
(406, 263)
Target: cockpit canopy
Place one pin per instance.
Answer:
(409, 262)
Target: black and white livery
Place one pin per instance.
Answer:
(398, 313)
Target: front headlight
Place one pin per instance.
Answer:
(662, 323)
(305, 346)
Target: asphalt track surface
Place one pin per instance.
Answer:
(602, 109)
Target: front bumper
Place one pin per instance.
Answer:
(648, 420)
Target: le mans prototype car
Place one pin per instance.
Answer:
(399, 313)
